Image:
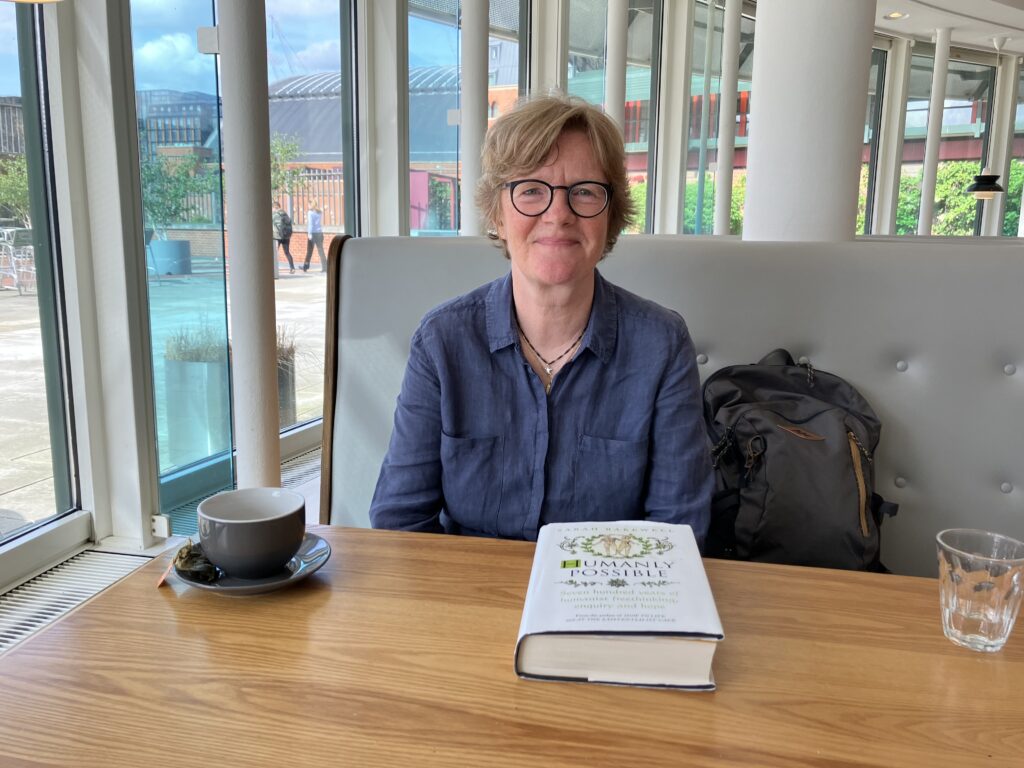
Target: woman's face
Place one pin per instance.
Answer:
(557, 247)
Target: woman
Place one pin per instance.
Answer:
(549, 395)
(314, 236)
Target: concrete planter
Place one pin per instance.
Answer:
(171, 257)
(286, 390)
(198, 410)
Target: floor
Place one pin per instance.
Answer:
(26, 474)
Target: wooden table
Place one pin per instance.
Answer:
(399, 652)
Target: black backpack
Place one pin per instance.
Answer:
(792, 449)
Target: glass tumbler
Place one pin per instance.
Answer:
(981, 580)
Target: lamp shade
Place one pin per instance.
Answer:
(985, 186)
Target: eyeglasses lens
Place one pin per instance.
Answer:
(532, 198)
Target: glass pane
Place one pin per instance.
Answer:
(641, 42)
(965, 119)
(307, 172)
(179, 144)
(702, 140)
(1011, 221)
(915, 132)
(435, 98)
(588, 27)
(34, 476)
(869, 157)
(433, 101)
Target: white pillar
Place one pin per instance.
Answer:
(617, 37)
(934, 138)
(727, 114)
(806, 143)
(1000, 145)
(474, 32)
(242, 33)
(549, 45)
(672, 136)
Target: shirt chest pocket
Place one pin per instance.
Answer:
(608, 478)
(471, 478)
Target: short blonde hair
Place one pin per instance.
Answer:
(521, 140)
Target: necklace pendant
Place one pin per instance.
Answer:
(547, 369)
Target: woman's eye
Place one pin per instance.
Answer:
(529, 191)
(583, 192)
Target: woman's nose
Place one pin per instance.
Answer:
(559, 209)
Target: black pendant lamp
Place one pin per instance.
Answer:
(985, 186)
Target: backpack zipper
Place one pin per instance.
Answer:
(862, 492)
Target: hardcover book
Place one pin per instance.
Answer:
(626, 603)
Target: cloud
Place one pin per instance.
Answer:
(323, 10)
(172, 61)
(324, 56)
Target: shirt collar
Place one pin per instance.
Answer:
(602, 328)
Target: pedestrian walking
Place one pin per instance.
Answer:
(314, 236)
(283, 234)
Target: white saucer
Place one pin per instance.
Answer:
(313, 553)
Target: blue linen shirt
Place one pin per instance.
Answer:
(479, 448)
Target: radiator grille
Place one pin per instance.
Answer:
(34, 604)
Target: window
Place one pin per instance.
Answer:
(964, 143)
(1014, 185)
(185, 249)
(702, 138)
(588, 25)
(869, 157)
(435, 100)
(35, 468)
(188, 245)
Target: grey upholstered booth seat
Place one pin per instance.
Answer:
(932, 333)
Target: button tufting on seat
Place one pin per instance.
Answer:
(1006, 488)
(702, 359)
(900, 482)
(1009, 369)
(901, 365)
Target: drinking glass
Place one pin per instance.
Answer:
(981, 580)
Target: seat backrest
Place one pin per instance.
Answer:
(929, 332)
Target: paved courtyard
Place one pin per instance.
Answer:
(26, 474)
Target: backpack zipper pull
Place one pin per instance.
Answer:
(753, 454)
(719, 448)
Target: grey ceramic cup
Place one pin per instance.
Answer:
(252, 533)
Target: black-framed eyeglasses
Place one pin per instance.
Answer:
(532, 197)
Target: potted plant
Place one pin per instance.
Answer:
(286, 376)
(169, 190)
(198, 399)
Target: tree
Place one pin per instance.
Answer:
(14, 196)
(908, 203)
(955, 210)
(1014, 188)
(638, 193)
(285, 177)
(439, 204)
(169, 191)
(738, 203)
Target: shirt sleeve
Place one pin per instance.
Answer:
(408, 495)
(680, 481)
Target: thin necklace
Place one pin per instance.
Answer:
(549, 363)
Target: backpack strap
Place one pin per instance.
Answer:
(778, 356)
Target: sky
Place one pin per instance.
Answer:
(303, 36)
(10, 85)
